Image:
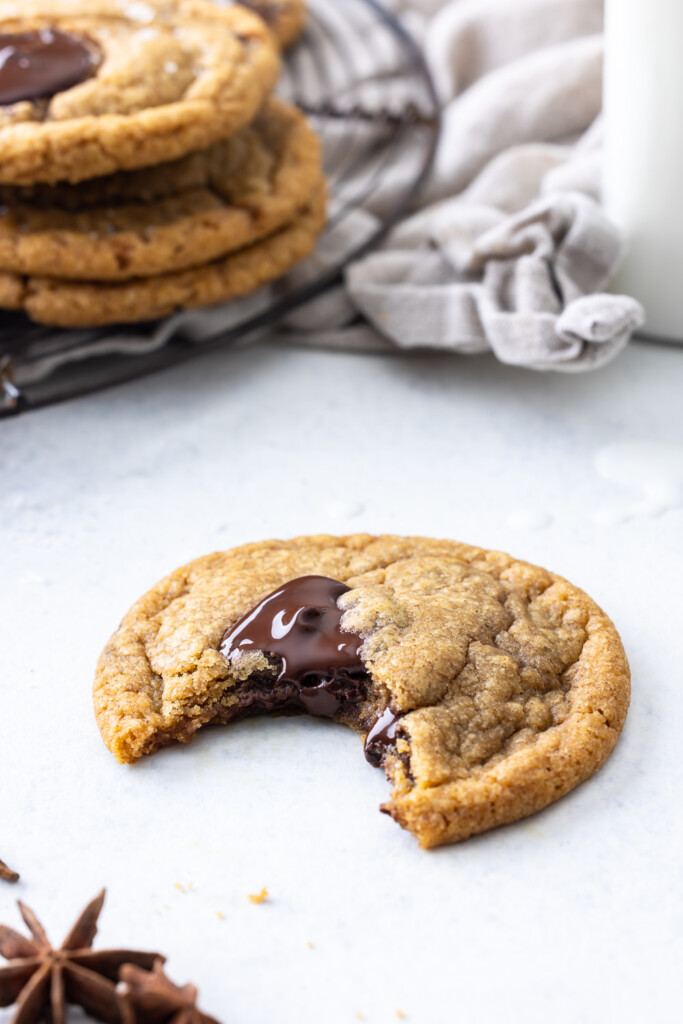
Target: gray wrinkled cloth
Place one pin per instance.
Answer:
(525, 285)
(510, 250)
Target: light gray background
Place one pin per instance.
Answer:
(574, 916)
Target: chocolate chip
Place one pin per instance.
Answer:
(317, 665)
(382, 737)
(35, 65)
(299, 625)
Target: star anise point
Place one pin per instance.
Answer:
(41, 980)
(7, 874)
(153, 997)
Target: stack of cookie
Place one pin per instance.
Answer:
(144, 166)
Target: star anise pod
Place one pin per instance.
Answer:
(7, 874)
(43, 981)
(154, 998)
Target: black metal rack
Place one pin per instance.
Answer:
(332, 75)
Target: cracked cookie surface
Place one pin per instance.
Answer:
(511, 686)
(173, 76)
(167, 218)
(62, 303)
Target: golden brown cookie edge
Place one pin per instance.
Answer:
(86, 253)
(69, 304)
(516, 786)
(561, 758)
(89, 147)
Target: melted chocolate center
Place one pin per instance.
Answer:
(382, 736)
(299, 624)
(318, 664)
(37, 65)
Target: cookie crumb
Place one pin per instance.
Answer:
(259, 897)
(220, 915)
(401, 1015)
(177, 885)
(309, 945)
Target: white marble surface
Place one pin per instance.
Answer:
(572, 917)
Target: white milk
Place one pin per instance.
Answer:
(643, 176)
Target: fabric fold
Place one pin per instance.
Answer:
(527, 285)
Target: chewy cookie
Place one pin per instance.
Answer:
(63, 303)
(485, 687)
(91, 87)
(285, 17)
(158, 220)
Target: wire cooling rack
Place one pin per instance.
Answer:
(364, 84)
